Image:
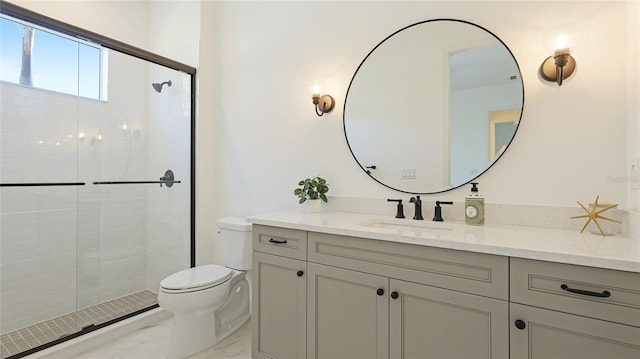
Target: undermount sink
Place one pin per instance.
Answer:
(408, 225)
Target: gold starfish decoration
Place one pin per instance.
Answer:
(594, 214)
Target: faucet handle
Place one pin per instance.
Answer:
(437, 215)
(399, 211)
(418, 204)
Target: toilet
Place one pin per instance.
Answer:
(209, 302)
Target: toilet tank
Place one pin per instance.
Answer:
(235, 236)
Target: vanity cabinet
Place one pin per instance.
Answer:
(430, 322)
(348, 314)
(326, 296)
(357, 315)
(568, 311)
(279, 293)
(375, 299)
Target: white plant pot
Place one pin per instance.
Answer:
(314, 205)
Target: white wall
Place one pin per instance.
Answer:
(571, 144)
(121, 20)
(258, 134)
(633, 115)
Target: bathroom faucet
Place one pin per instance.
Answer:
(437, 215)
(418, 211)
(399, 211)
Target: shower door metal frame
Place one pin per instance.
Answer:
(84, 35)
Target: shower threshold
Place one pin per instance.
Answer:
(45, 332)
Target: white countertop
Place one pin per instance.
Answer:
(547, 244)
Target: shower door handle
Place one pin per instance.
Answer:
(167, 179)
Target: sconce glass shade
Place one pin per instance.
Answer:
(558, 67)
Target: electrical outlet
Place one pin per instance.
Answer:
(409, 173)
(635, 173)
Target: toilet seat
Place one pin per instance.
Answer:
(196, 279)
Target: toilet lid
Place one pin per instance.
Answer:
(201, 276)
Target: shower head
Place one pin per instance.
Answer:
(158, 86)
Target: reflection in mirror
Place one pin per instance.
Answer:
(433, 106)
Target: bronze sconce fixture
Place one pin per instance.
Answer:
(558, 67)
(324, 103)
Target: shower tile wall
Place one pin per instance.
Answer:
(59, 244)
(64, 249)
(168, 242)
(38, 225)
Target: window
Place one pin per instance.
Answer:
(34, 56)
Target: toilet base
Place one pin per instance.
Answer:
(191, 334)
(199, 330)
(195, 334)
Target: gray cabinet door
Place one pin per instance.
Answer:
(551, 334)
(279, 307)
(430, 322)
(348, 318)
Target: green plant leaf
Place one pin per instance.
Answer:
(312, 188)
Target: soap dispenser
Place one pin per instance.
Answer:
(474, 207)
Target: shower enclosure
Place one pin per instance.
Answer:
(96, 173)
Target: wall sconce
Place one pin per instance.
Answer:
(558, 67)
(561, 65)
(324, 103)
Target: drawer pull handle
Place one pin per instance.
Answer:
(604, 294)
(271, 240)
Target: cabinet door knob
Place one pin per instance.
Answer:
(380, 291)
(300, 273)
(520, 324)
(394, 295)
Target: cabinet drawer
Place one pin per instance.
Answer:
(475, 273)
(593, 292)
(284, 242)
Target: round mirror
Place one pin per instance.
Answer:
(433, 106)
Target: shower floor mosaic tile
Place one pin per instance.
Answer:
(21, 340)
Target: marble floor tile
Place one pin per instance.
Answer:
(149, 343)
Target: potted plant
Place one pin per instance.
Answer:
(313, 189)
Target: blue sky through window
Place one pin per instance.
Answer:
(58, 63)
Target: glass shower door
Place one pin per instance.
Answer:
(91, 218)
(39, 188)
(134, 224)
